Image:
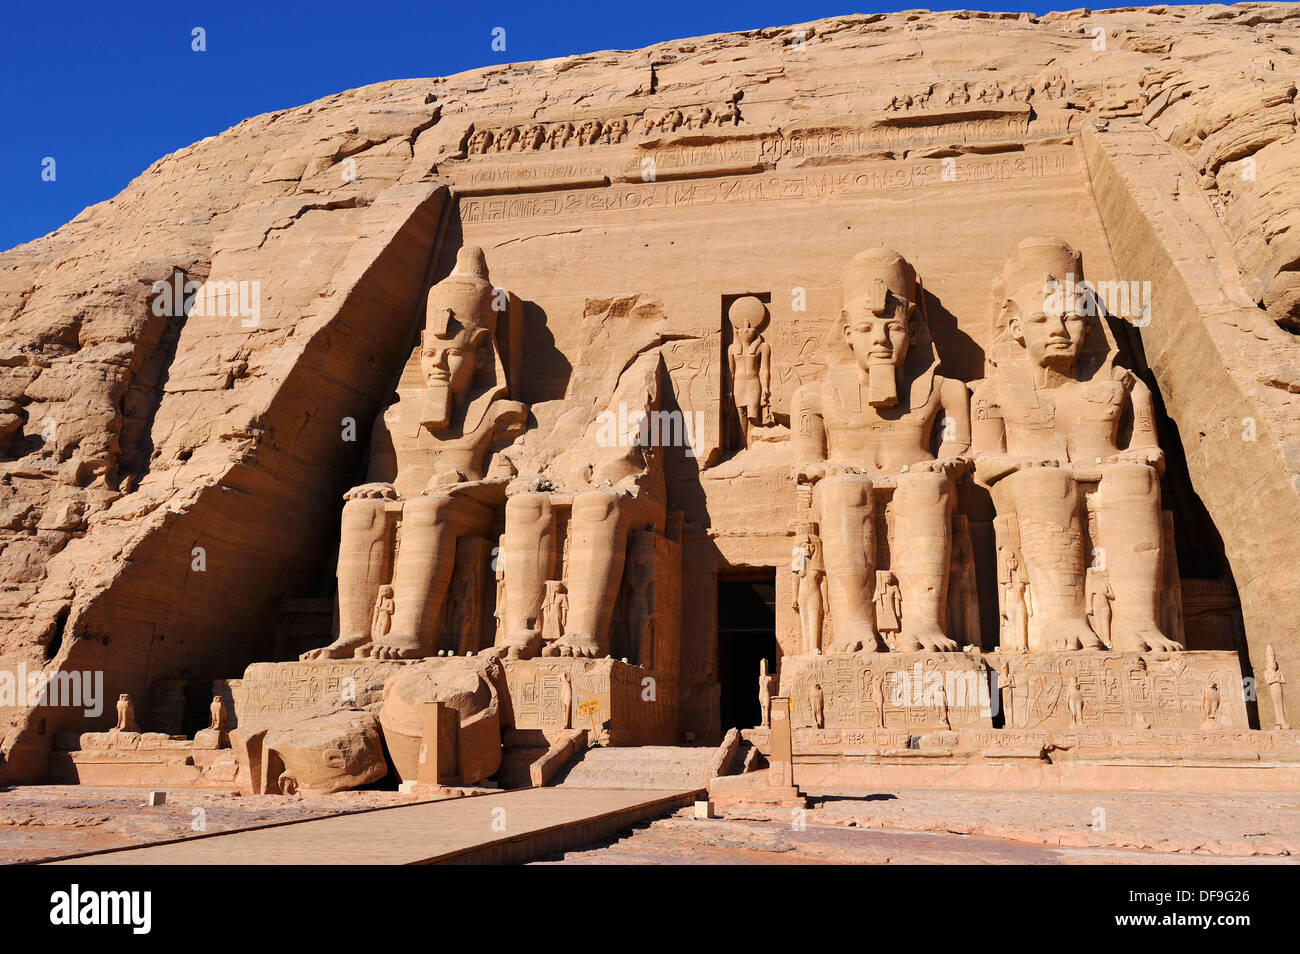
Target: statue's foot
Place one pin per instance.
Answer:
(845, 647)
(341, 648)
(393, 647)
(1147, 639)
(577, 646)
(523, 645)
(930, 639)
(1070, 635)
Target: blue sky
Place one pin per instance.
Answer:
(104, 89)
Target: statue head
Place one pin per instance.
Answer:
(878, 319)
(459, 328)
(747, 315)
(1039, 302)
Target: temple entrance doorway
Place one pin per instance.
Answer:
(746, 635)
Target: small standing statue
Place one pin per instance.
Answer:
(499, 570)
(566, 698)
(381, 617)
(809, 600)
(1099, 599)
(1210, 705)
(1076, 702)
(889, 606)
(1273, 676)
(640, 577)
(749, 361)
(816, 702)
(943, 707)
(1006, 687)
(766, 689)
(126, 714)
(1016, 606)
(555, 611)
(878, 697)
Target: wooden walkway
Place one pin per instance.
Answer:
(496, 828)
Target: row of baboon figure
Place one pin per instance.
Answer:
(959, 94)
(532, 137)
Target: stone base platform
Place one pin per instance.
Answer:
(629, 705)
(920, 692)
(145, 759)
(1122, 690)
(864, 761)
(913, 692)
(616, 703)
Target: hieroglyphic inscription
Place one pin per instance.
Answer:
(270, 688)
(913, 691)
(1126, 690)
(881, 177)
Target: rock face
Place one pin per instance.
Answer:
(171, 469)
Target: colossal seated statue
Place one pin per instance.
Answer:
(432, 478)
(1065, 441)
(868, 429)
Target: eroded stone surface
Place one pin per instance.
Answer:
(669, 232)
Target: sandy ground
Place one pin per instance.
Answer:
(46, 821)
(914, 827)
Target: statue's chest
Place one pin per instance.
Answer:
(1069, 408)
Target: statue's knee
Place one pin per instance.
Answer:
(1043, 483)
(1128, 480)
(922, 489)
(595, 506)
(852, 491)
(529, 508)
(362, 517)
(426, 511)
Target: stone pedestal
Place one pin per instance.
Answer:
(910, 692)
(1124, 690)
(270, 689)
(618, 703)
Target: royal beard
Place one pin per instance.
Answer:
(882, 384)
(436, 415)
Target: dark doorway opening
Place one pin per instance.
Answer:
(746, 635)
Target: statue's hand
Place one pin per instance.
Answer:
(1151, 456)
(810, 472)
(952, 467)
(375, 491)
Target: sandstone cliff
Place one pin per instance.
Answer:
(165, 477)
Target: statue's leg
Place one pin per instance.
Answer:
(846, 521)
(431, 525)
(1131, 535)
(1045, 502)
(921, 549)
(365, 562)
(598, 528)
(529, 561)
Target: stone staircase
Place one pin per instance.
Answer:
(663, 767)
